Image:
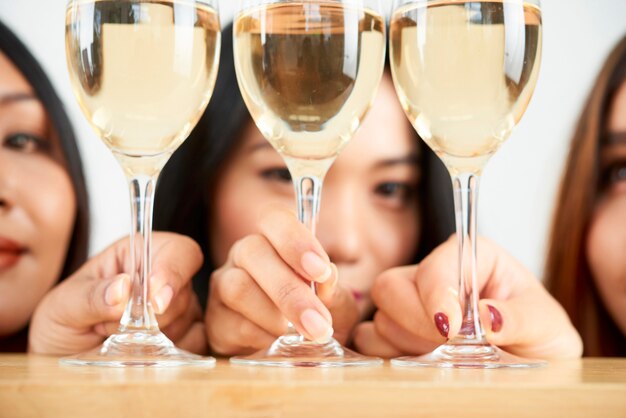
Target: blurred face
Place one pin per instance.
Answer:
(606, 244)
(37, 203)
(368, 220)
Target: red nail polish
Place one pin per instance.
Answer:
(441, 321)
(358, 296)
(496, 319)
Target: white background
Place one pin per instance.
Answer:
(520, 182)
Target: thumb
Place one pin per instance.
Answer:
(534, 330)
(341, 304)
(82, 302)
(63, 323)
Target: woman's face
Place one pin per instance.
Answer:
(606, 244)
(37, 202)
(369, 214)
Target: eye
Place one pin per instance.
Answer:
(614, 173)
(280, 174)
(395, 190)
(26, 143)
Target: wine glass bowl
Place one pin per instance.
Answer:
(465, 72)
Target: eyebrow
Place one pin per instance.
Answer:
(16, 97)
(259, 146)
(411, 159)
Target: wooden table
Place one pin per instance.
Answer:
(39, 387)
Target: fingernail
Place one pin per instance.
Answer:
(162, 299)
(317, 269)
(442, 323)
(316, 326)
(496, 319)
(115, 291)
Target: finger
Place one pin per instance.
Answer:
(229, 333)
(498, 276)
(285, 288)
(437, 284)
(238, 291)
(327, 291)
(520, 300)
(395, 293)
(406, 342)
(342, 306)
(180, 324)
(195, 340)
(82, 302)
(170, 252)
(530, 326)
(180, 306)
(182, 311)
(295, 244)
(175, 260)
(106, 329)
(370, 343)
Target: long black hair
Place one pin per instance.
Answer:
(21, 57)
(183, 198)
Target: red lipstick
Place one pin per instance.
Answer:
(10, 253)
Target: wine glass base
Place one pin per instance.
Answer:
(295, 351)
(468, 356)
(138, 349)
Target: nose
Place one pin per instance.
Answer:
(340, 228)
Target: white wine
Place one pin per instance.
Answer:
(465, 72)
(309, 73)
(144, 71)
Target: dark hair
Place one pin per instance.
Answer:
(567, 274)
(187, 183)
(21, 57)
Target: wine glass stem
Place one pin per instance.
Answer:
(308, 195)
(465, 203)
(139, 315)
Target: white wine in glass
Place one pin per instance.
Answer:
(143, 72)
(465, 72)
(309, 71)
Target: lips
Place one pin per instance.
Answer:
(10, 253)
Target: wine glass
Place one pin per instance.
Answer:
(143, 72)
(465, 72)
(309, 71)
